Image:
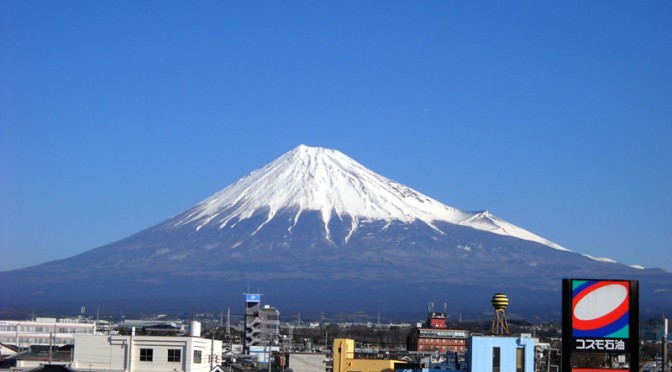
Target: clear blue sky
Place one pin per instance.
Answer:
(557, 117)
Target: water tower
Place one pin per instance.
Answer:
(500, 326)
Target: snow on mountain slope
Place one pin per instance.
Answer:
(324, 180)
(486, 221)
(600, 259)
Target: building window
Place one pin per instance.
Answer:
(174, 355)
(520, 360)
(198, 355)
(146, 355)
(496, 359)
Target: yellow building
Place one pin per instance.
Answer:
(344, 359)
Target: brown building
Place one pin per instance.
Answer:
(436, 337)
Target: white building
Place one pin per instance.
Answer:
(145, 353)
(263, 353)
(307, 362)
(43, 331)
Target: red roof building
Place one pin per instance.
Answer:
(436, 337)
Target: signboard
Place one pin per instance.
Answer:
(600, 316)
(252, 297)
(437, 315)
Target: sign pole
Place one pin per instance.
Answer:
(566, 360)
(634, 326)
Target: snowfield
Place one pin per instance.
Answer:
(328, 181)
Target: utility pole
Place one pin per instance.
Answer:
(212, 348)
(18, 345)
(664, 345)
(269, 358)
(51, 335)
(228, 323)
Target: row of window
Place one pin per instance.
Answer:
(42, 329)
(174, 355)
(27, 340)
(443, 348)
(439, 341)
(442, 333)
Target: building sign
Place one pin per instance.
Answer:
(437, 315)
(600, 316)
(590, 344)
(252, 297)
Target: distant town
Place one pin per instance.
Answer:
(264, 339)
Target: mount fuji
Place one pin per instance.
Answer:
(316, 231)
(332, 184)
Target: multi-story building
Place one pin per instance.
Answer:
(252, 321)
(146, 353)
(262, 328)
(262, 324)
(503, 354)
(43, 331)
(270, 323)
(436, 337)
(345, 359)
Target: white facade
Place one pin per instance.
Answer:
(24, 333)
(145, 353)
(307, 362)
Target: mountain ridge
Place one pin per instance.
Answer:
(266, 234)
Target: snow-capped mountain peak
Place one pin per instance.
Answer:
(328, 181)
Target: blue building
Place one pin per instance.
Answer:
(500, 354)
(486, 354)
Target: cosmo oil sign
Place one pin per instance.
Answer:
(601, 316)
